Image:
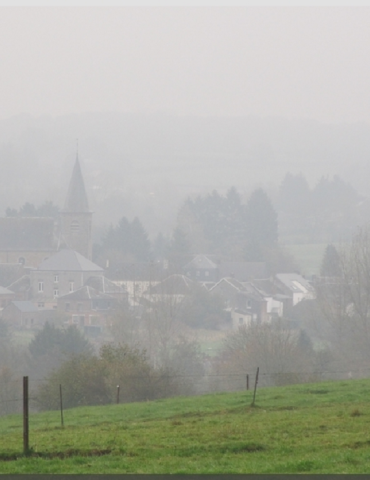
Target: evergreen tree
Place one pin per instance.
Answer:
(139, 241)
(294, 195)
(128, 241)
(160, 247)
(180, 245)
(262, 225)
(55, 341)
(331, 263)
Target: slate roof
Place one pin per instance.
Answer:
(238, 286)
(243, 271)
(266, 287)
(173, 285)
(27, 233)
(68, 260)
(10, 272)
(21, 285)
(200, 262)
(6, 291)
(84, 293)
(104, 285)
(25, 306)
(76, 201)
(295, 282)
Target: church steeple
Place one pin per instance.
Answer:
(76, 200)
(76, 217)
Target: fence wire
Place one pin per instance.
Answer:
(141, 388)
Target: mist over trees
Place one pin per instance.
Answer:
(150, 339)
(223, 225)
(328, 212)
(47, 209)
(190, 155)
(127, 241)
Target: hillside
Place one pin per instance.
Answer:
(316, 428)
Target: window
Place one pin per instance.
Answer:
(78, 320)
(41, 305)
(41, 286)
(75, 226)
(56, 278)
(67, 306)
(94, 320)
(56, 293)
(71, 286)
(21, 260)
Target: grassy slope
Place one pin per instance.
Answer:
(321, 428)
(308, 256)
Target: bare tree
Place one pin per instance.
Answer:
(283, 355)
(345, 303)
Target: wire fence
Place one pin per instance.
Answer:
(128, 388)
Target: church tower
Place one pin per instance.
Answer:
(76, 217)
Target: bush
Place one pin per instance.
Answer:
(88, 379)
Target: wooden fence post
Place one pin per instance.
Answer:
(247, 381)
(255, 387)
(25, 416)
(117, 394)
(61, 405)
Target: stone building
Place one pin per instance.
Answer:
(31, 240)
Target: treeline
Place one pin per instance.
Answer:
(47, 209)
(213, 224)
(328, 212)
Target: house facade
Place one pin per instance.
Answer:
(87, 307)
(62, 273)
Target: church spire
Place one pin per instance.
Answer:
(76, 217)
(76, 200)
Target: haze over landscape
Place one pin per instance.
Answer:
(167, 102)
(185, 210)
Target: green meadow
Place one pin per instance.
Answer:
(308, 256)
(315, 428)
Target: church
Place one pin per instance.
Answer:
(31, 240)
(50, 262)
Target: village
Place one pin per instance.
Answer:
(47, 275)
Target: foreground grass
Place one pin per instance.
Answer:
(320, 428)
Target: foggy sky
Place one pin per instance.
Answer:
(295, 62)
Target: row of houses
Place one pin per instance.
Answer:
(71, 287)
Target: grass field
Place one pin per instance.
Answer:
(316, 428)
(308, 256)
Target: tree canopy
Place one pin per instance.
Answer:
(222, 224)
